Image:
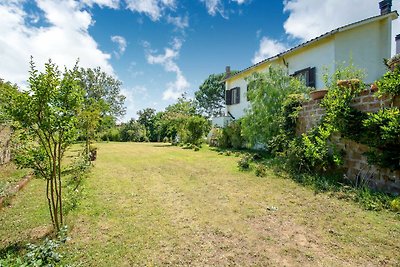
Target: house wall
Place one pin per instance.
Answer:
(355, 163)
(320, 55)
(367, 45)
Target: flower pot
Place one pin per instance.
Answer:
(374, 87)
(351, 83)
(318, 94)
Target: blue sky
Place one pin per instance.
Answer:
(160, 49)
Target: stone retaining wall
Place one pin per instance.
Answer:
(355, 163)
(5, 136)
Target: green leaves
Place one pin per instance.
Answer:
(267, 93)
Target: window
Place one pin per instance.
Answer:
(307, 76)
(232, 96)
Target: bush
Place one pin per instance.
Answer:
(196, 127)
(231, 136)
(261, 170)
(244, 162)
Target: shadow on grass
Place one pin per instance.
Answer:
(163, 145)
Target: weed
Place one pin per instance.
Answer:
(261, 170)
(244, 162)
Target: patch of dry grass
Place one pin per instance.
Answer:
(151, 204)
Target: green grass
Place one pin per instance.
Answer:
(154, 204)
(10, 176)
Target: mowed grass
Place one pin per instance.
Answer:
(154, 204)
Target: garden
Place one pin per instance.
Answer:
(151, 191)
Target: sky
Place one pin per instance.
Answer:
(161, 49)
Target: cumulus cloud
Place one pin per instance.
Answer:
(268, 48)
(152, 8)
(121, 42)
(311, 18)
(64, 41)
(168, 60)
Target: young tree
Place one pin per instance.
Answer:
(103, 102)
(267, 93)
(210, 97)
(46, 114)
(147, 119)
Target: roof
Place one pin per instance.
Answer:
(392, 14)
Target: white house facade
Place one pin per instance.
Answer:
(366, 43)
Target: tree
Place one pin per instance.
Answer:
(46, 115)
(197, 127)
(103, 102)
(147, 119)
(173, 119)
(267, 93)
(133, 131)
(210, 97)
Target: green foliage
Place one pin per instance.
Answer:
(46, 115)
(287, 120)
(76, 175)
(196, 127)
(103, 103)
(267, 93)
(231, 136)
(132, 131)
(382, 134)
(45, 254)
(390, 83)
(244, 162)
(210, 97)
(261, 170)
(147, 118)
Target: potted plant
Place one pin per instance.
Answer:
(351, 83)
(318, 94)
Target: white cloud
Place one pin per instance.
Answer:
(214, 7)
(311, 18)
(152, 8)
(179, 22)
(121, 42)
(241, 1)
(102, 3)
(64, 41)
(168, 61)
(268, 48)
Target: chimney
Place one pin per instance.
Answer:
(227, 72)
(385, 6)
(397, 38)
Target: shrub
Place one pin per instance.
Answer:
(244, 162)
(390, 83)
(231, 136)
(261, 170)
(395, 204)
(196, 127)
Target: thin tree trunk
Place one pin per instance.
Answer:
(59, 180)
(49, 202)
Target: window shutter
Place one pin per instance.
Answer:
(228, 97)
(237, 95)
(311, 77)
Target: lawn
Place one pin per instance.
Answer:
(10, 175)
(155, 204)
